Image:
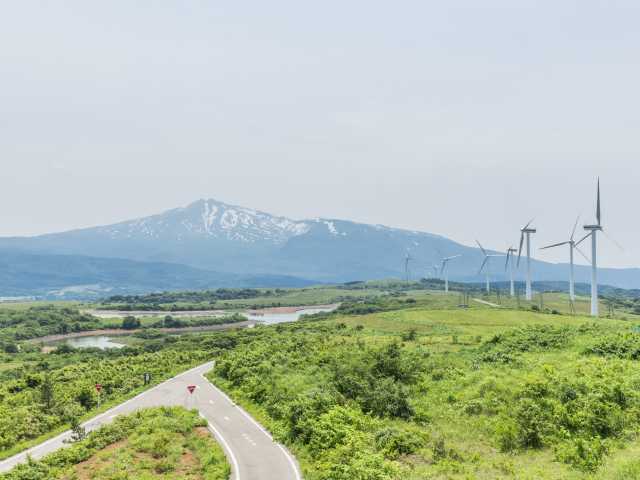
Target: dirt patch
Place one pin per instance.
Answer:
(86, 469)
(288, 309)
(202, 432)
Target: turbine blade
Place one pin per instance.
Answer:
(598, 212)
(527, 225)
(620, 247)
(574, 227)
(484, 252)
(486, 259)
(520, 249)
(583, 239)
(582, 253)
(506, 263)
(555, 245)
(451, 258)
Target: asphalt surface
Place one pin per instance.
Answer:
(250, 449)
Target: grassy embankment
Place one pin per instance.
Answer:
(160, 443)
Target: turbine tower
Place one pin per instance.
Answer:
(509, 265)
(407, 259)
(487, 256)
(443, 270)
(593, 230)
(573, 246)
(526, 232)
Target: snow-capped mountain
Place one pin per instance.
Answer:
(214, 236)
(210, 218)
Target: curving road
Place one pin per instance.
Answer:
(252, 452)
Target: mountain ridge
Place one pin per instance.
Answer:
(208, 234)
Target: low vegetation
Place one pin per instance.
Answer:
(163, 443)
(399, 383)
(417, 394)
(38, 321)
(39, 398)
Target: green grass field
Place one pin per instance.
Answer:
(469, 411)
(406, 384)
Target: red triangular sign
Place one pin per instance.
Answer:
(191, 388)
(98, 387)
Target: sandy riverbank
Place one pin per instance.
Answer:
(271, 310)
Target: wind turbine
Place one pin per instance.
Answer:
(526, 232)
(593, 230)
(443, 270)
(434, 269)
(573, 246)
(487, 256)
(509, 264)
(407, 259)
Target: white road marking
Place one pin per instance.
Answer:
(249, 439)
(292, 462)
(234, 461)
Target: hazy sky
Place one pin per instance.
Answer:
(448, 117)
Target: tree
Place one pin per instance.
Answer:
(130, 323)
(11, 348)
(46, 392)
(78, 432)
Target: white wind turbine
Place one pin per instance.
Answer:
(593, 229)
(445, 272)
(573, 246)
(487, 257)
(526, 232)
(407, 259)
(435, 271)
(509, 265)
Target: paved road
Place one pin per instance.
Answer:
(251, 451)
(484, 302)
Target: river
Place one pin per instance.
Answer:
(266, 316)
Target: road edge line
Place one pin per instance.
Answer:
(287, 454)
(226, 446)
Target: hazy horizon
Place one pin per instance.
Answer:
(456, 119)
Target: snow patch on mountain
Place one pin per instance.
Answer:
(333, 230)
(210, 218)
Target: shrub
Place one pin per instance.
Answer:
(130, 323)
(581, 453)
(393, 442)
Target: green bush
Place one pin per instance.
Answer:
(394, 442)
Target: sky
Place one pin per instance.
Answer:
(455, 118)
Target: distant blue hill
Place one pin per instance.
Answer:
(240, 242)
(75, 276)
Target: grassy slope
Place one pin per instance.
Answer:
(25, 422)
(159, 443)
(453, 380)
(471, 435)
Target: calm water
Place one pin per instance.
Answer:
(272, 318)
(99, 341)
(103, 342)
